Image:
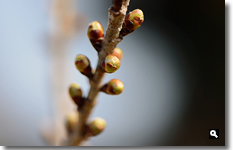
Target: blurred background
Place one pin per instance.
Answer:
(173, 70)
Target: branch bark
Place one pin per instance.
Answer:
(116, 16)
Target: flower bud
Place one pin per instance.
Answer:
(82, 63)
(95, 34)
(76, 94)
(71, 121)
(133, 20)
(96, 126)
(111, 64)
(113, 87)
(118, 53)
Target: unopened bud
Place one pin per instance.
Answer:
(71, 121)
(111, 64)
(76, 94)
(118, 53)
(133, 20)
(95, 34)
(82, 63)
(113, 87)
(96, 126)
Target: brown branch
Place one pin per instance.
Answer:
(116, 17)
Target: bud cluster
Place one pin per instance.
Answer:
(110, 64)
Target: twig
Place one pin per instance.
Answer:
(116, 18)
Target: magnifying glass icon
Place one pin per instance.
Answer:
(213, 133)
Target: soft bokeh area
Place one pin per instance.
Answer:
(174, 78)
